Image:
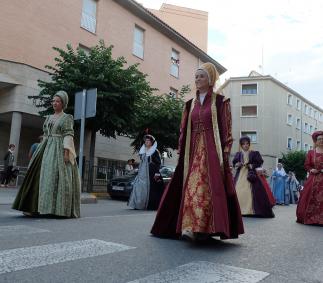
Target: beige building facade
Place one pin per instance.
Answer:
(274, 116)
(29, 30)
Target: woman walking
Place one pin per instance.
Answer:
(148, 186)
(310, 205)
(200, 201)
(9, 159)
(252, 195)
(278, 180)
(52, 182)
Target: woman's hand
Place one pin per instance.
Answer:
(314, 171)
(66, 156)
(238, 165)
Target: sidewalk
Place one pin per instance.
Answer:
(7, 196)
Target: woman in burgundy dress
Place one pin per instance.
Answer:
(200, 200)
(310, 205)
(252, 195)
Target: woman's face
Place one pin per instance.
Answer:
(148, 143)
(319, 141)
(201, 80)
(57, 104)
(279, 166)
(245, 145)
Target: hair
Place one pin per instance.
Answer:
(244, 139)
(149, 137)
(11, 145)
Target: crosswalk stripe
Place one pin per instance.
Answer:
(206, 272)
(30, 257)
(13, 230)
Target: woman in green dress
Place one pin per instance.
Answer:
(52, 182)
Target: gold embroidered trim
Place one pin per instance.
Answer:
(216, 132)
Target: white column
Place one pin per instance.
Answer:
(15, 132)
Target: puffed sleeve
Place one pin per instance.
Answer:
(68, 134)
(257, 160)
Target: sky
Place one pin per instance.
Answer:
(281, 38)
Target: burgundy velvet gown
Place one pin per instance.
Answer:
(310, 204)
(208, 188)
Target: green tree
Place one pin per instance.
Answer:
(161, 117)
(119, 86)
(294, 161)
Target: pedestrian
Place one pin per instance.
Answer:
(262, 173)
(129, 166)
(9, 159)
(148, 185)
(277, 182)
(34, 147)
(52, 182)
(291, 189)
(252, 195)
(310, 204)
(200, 200)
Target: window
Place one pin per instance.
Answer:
(138, 42)
(298, 123)
(85, 49)
(315, 114)
(173, 92)
(174, 68)
(298, 104)
(249, 89)
(311, 112)
(88, 20)
(298, 145)
(290, 119)
(249, 111)
(289, 143)
(311, 129)
(252, 135)
(305, 146)
(289, 99)
(305, 128)
(306, 109)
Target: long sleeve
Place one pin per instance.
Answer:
(309, 162)
(236, 158)
(68, 134)
(183, 127)
(226, 125)
(257, 160)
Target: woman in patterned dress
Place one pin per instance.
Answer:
(200, 201)
(310, 204)
(52, 182)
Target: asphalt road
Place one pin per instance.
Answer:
(111, 243)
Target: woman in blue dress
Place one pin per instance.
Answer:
(277, 182)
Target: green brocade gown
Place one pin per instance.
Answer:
(51, 186)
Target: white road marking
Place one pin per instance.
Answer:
(206, 272)
(6, 231)
(31, 257)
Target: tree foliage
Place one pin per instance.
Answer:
(160, 116)
(119, 86)
(126, 104)
(294, 161)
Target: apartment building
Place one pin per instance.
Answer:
(29, 30)
(274, 116)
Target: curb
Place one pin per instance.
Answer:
(87, 198)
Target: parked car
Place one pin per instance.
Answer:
(121, 186)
